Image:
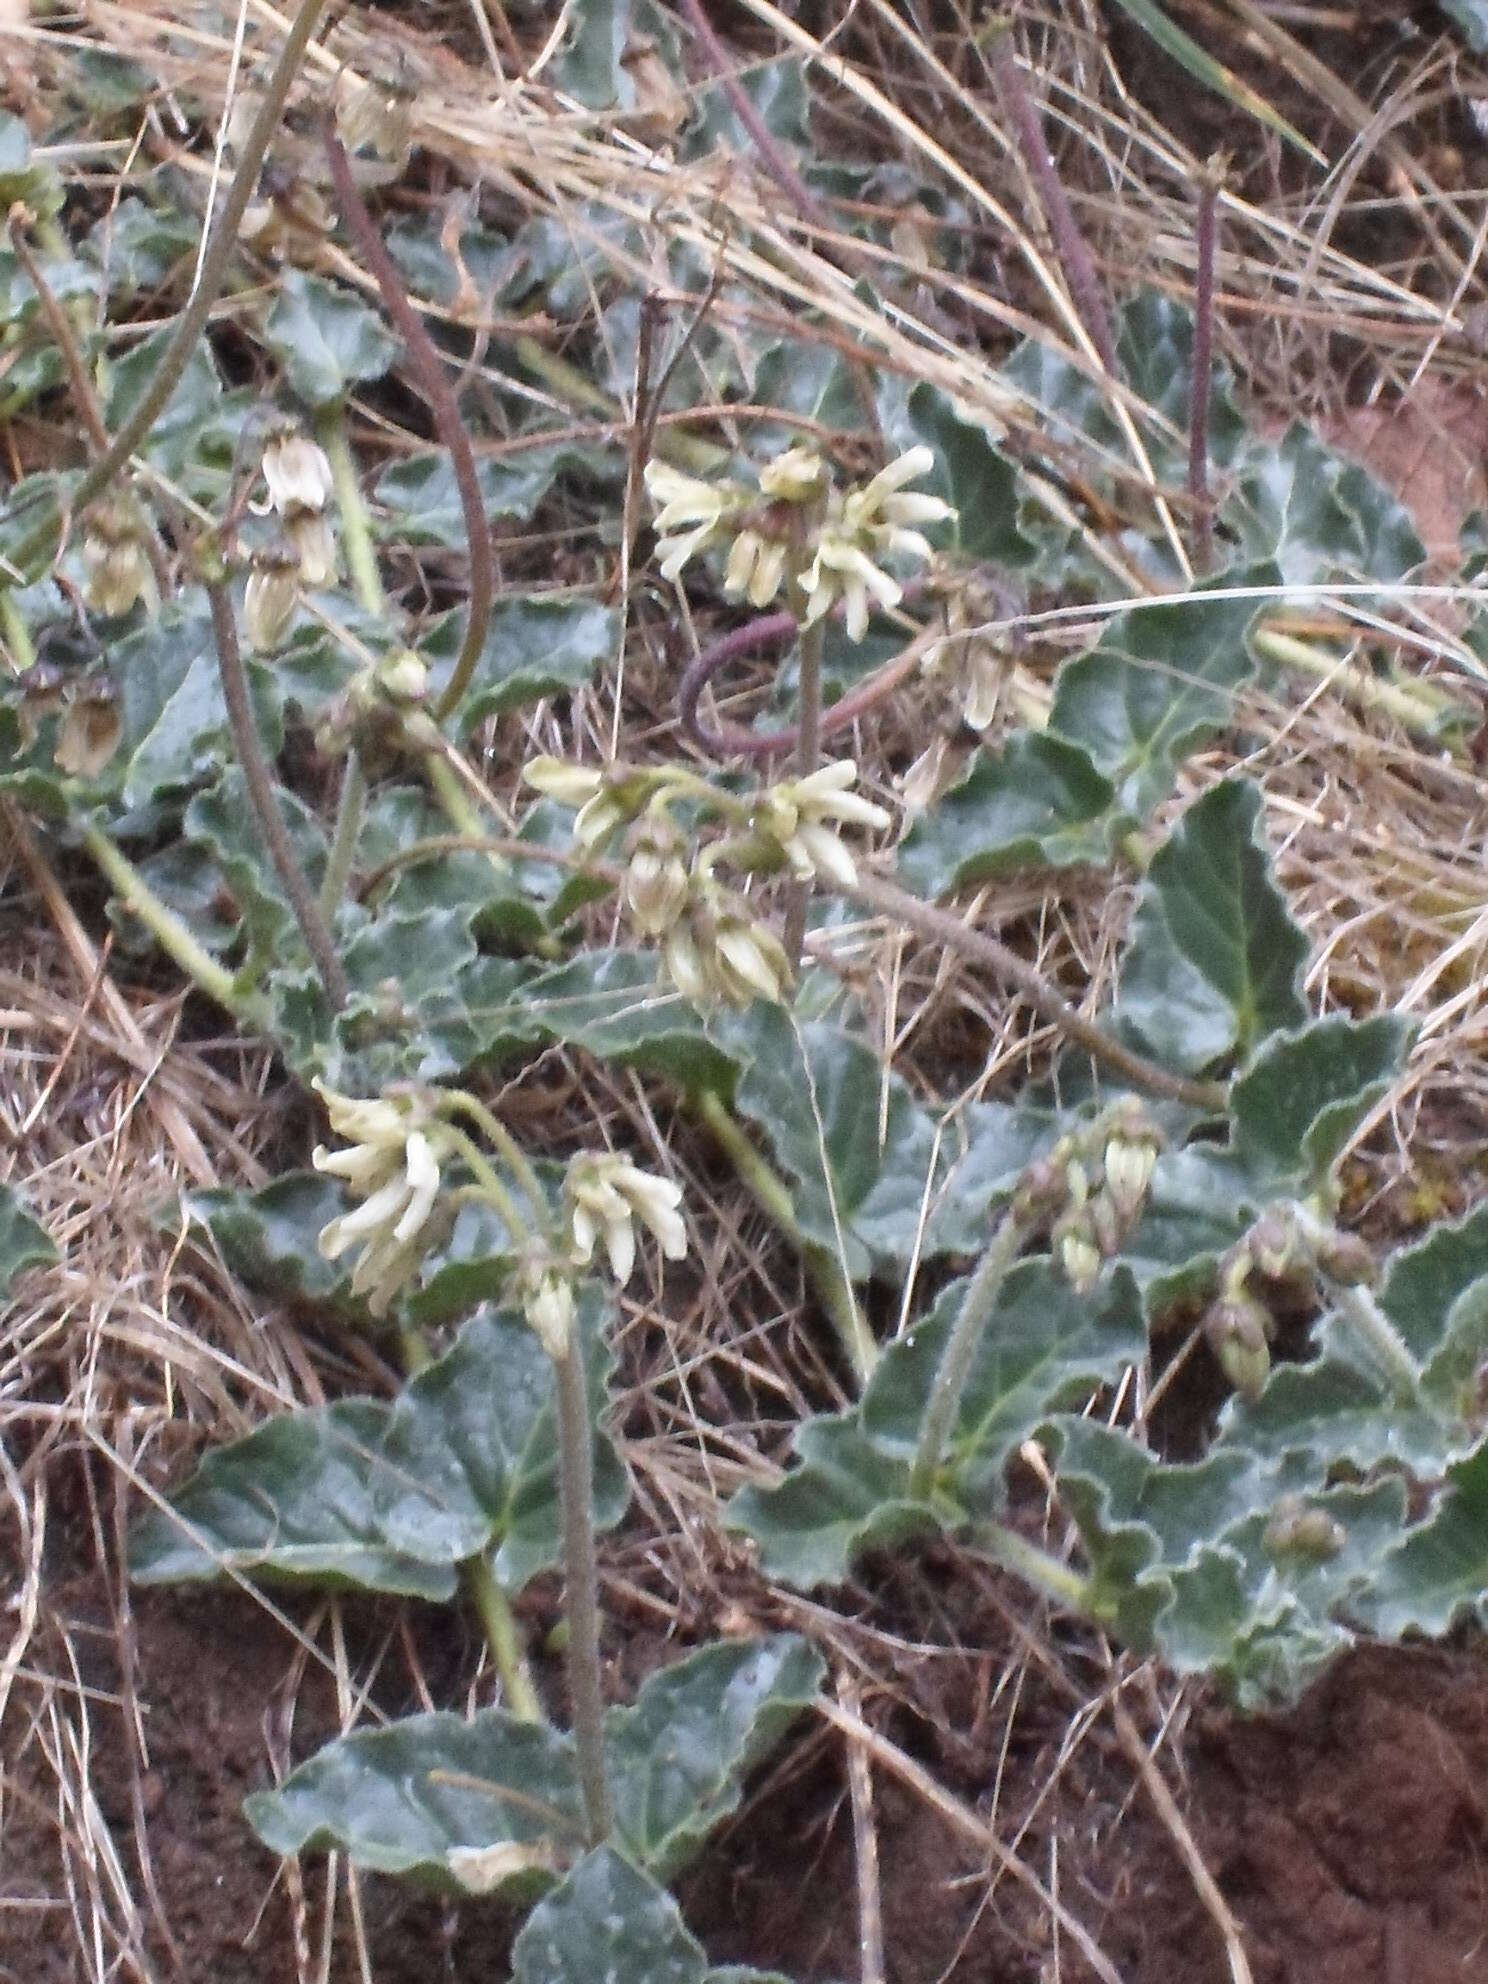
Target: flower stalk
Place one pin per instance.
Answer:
(581, 1571)
(956, 1361)
(169, 932)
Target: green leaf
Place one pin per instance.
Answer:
(536, 646)
(194, 439)
(325, 338)
(1320, 516)
(1214, 961)
(390, 1497)
(1043, 1348)
(1437, 1573)
(1040, 800)
(24, 1242)
(1158, 684)
(777, 90)
(1299, 1103)
(843, 1499)
(811, 380)
(426, 1795)
(139, 247)
(418, 499)
(678, 1757)
(430, 1793)
(970, 474)
(591, 65)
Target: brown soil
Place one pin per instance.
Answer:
(1350, 1837)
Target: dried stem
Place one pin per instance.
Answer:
(1064, 230)
(193, 319)
(259, 780)
(1202, 374)
(940, 927)
(431, 376)
(576, 1488)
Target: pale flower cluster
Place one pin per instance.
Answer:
(718, 953)
(116, 568)
(604, 1196)
(863, 527)
(391, 1164)
(801, 816)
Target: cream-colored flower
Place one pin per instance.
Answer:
(691, 514)
(605, 1195)
(392, 1166)
(656, 881)
(863, 527)
(745, 960)
(548, 1305)
(270, 597)
(555, 778)
(967, 666)
(91, 728)
(116, 572)
(803, 815)
(296, 472)
(403, 675)
(314, 541)
(756, 567)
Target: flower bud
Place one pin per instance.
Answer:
(656, 882)
(1077, 1251)
(270, 597)
(1298, 1531)
(549, 1309)
(314, 541)
(1274, 1243)
(1347, 1260)
(796, 476)
(403, 676)
(1236, 1329)
(1106, 1224)
(1129, 1163)
(116, 571)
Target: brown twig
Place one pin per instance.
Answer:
(448, 425)
(865, 1841)
(938, 926)
(1069, 244)
(731, 740)
(259, 780)
(1201, 380)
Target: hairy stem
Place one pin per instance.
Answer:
(938, 926)
(956, 1360)
(1202, 376)
(351, 808)
(1045, 1572)
(1069, 244)
(19, 646)
(581, 1572)
(808, 751)
(426, 363)
(824, 1271)
(193, 319)
(1419, 707)
(259, 780)
(169, 932)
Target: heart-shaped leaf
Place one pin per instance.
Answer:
(24, 1242)
(327, 340)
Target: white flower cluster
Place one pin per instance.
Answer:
(841, 537)
(391, 1163)
(605, 1195)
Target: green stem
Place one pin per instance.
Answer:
(17, 635)
(504, 1638)
(165, 926)
(956, 1360)
(471, 1105)
(1039, 1568)
(1379, 1336)
(193, 319)
(492, 1187)
(259, 780)
(502, 1634)
(351, 808)
(1417, 707)
(581, 1570)
(356, 528)
(823, 1270)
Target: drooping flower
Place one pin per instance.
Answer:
(271, 596)
(116, 572)
(314, 541)
(656, 881)
(716, 951)
(605, 1195)
(91, 727)
(548, 1305)
(296, 471)
(802, 817)
(691, 513)
(391, 1164)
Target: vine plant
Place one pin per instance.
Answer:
(381, 921)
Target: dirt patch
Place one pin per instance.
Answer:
(1350, 1836)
